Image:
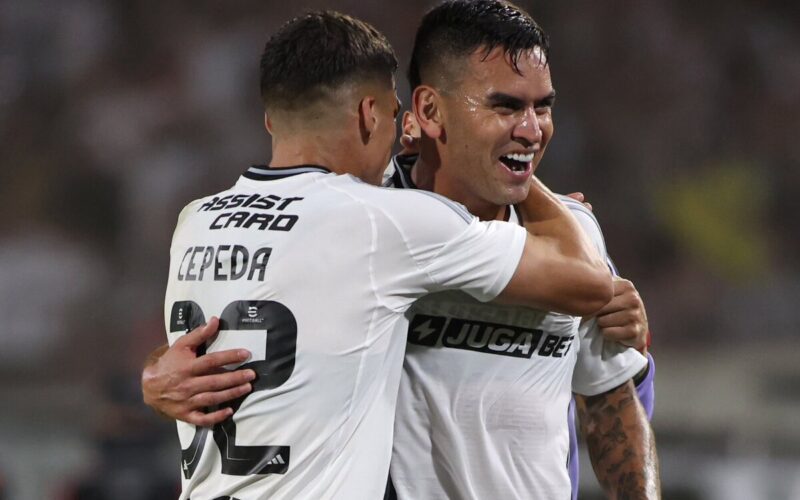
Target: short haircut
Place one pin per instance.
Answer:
(456, 28)
(313, 55)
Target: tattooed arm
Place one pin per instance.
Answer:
(621, 443)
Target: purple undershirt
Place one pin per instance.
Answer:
(647, 396)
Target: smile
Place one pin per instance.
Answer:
(517, 162)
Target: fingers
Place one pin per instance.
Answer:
(199, 335)
(623, 335)
(622, 317)
(201, 419)
(625, 297)
(213, 362)
(577, 196)
(206, 399)
(219, 382)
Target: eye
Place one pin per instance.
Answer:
(505, 110)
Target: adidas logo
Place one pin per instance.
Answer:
(277, 460)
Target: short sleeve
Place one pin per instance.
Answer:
(603, 364)
(481, 260)
(587, 221)
(428, 243)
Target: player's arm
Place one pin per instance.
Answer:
(560, 270)
(179, 384)
(620, 442)
(624, 320)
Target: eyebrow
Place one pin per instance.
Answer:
(504, 100)
(548, 100)
(509, 101)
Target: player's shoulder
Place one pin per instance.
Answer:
(587, 220)
(412, 205)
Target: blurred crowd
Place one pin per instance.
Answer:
(678, 119)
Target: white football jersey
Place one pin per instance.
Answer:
(313, 272)
(483, 401)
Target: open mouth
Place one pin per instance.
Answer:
(517, 162)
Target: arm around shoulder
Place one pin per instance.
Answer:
(560, 268)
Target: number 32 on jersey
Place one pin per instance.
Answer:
(275, 369)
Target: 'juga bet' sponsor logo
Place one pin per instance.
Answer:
(490, 338)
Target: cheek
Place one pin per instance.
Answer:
(547, 130)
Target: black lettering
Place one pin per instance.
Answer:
(222, 202)
(217, 224)
(180, 274)
(208, 258)
(239, 251)
(237, 201)
(262, 220)
(218, 276)
(287, 201)
(562, 347)
(283, 222)
(548, 346)
(207, 205)
(237, 219)
(260, 259)
(188, 276)
(266, 202)
(250, 200)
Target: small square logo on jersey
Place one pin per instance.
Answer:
(426, 330)
(185, 315)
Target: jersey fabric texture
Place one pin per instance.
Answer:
(313, 272)
(484, 397)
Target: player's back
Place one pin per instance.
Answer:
(311, 272)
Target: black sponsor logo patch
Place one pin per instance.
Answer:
(489, 338)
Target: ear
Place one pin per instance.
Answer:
(426, 105)
(267, 123)
(367, 118)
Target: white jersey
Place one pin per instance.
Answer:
(313, 272)
(482, 408)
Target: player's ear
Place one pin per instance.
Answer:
(267, 123)
(425, 102)
(367, 118)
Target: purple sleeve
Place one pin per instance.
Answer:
(572, 459)
(646, 388)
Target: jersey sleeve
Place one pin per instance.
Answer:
(434, 244)
(602, 364)
(587, 221)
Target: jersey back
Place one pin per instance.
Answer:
(312, 273)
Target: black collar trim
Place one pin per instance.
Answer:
(402, 171)
(266, 173)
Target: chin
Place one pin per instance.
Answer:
(515, 195)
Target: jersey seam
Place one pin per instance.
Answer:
(402, 234)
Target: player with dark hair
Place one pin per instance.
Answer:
(486, 388)
(310, 270)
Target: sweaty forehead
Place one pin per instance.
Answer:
(484, 72)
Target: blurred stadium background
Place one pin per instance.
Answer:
(679, 119)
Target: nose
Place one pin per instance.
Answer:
(527, 130)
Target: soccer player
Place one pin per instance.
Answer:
(485, 391)
(310, 268)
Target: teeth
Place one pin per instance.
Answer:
(524, 158)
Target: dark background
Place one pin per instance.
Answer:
(678, 119)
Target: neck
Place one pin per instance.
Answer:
(318, 148)
(427, 174)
